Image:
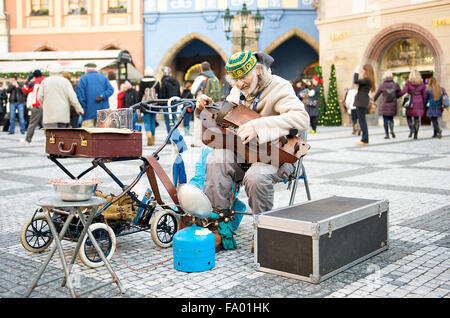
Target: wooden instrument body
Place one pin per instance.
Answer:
(219, 131)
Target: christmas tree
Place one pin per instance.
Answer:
(332, 116)
(322, 103)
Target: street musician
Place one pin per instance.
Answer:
(255, 87)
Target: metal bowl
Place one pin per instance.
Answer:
(75, 192)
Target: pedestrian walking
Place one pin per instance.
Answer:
(205, 83)
(416, 89)
(16, 104)
(122, 90)
(187, 94)
(312, 103)
(3, 103)
(112, 78)
(149, 88)
(349, 106)
(130, 98)
(389, 92)
(366, 84)
(434, 99)
(170, 87)
(56, 95)
(75, 117)
(93, 92)
(31, 87)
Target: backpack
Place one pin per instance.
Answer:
(150, 93)
(212, 88)
(389, 94)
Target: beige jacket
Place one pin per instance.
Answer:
(56, 95)
(280, 107)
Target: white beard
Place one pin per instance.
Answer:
(252, 88)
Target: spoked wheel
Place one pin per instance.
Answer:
(35, 235)
(106, 239)
(164, 225)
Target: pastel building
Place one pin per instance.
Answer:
(183, 33)
(92, 27)
(390, 35)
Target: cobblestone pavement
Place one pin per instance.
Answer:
(412, 174)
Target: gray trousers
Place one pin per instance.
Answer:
(222, 171)
(35, 119)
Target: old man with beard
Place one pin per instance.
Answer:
(274, 99)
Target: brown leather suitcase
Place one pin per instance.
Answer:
(93, 142)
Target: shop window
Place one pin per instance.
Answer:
(77, 7)
(39, 7)
(405, 54)
(117, 6)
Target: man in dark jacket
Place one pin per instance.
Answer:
(16, 103)
(3, 102)
(130, 98)
(169, 88)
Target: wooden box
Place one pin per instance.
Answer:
(93, 142)
(315, 240)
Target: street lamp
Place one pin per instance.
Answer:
(244, 19)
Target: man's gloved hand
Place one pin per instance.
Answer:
(99, 98)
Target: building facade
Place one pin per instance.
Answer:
(182, 33)
(390, 35)
(74, 25)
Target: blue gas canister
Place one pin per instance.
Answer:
(194, 249)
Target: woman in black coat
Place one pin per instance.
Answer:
(366, 84)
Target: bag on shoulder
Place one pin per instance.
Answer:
(408, 99)
(213, 88)
(445, 101)
(150, 93)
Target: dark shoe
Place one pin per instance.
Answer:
(440, 134)
(434, 136)
(393, 135)
(410, 134)
(386, 137)
(415, 136)
(10, 133)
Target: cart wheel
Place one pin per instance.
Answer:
(164, 225)
(35, 235)
(105, 238)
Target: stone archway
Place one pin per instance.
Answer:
(312, 42)
(377, 47)
(180, 44)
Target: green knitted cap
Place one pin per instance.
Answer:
(240, 64)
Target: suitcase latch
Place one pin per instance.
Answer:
(330, 229)
(84, 142)
(52, 139)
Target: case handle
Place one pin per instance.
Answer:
(70, 151)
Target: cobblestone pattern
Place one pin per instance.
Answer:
(412, 174)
